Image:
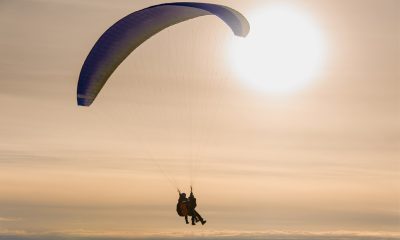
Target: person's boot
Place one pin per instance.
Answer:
(203, 222)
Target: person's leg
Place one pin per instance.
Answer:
(193, 215)
(186, 219)
(193, 220)
(199, 217)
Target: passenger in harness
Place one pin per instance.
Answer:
(182, 206)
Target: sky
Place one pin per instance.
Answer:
(319, 162)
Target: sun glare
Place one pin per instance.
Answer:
(282, 53)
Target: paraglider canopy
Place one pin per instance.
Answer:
(128, 33)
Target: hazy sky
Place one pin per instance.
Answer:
(321, 162)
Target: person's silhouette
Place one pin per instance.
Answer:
(182, 206)
(192, 204)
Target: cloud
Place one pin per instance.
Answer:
(5, 219)
(213, 235)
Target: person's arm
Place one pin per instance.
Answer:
(191, 192)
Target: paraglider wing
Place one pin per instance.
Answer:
(128, 33)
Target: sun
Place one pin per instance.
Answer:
(283, 52)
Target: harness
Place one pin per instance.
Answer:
(182, 208)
